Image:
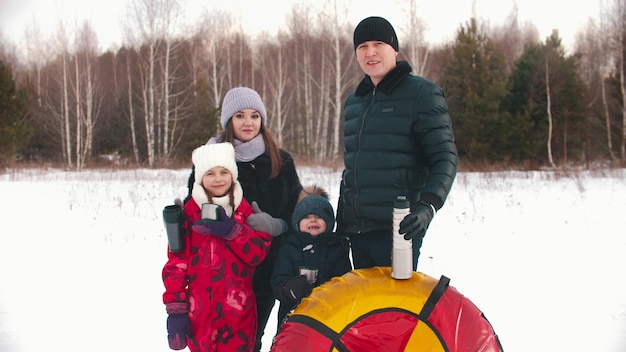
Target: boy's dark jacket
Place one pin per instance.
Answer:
(328, 252)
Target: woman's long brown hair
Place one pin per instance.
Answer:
(228, 135)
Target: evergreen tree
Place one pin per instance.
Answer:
(567, 91)
(521, 104)
(14, 129)
(527, 103)
(474, 81)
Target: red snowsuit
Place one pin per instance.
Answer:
(214, 277)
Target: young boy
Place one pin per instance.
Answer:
(309, 256)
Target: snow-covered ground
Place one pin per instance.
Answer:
(542, 254)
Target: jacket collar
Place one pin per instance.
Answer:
(388, 83)
(304, 238)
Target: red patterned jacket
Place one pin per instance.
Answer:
(214, 277)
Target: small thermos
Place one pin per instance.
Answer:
(402, 250)
(173, 220)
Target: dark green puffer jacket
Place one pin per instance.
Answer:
(398, 140)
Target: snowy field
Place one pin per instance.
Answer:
(542, 254)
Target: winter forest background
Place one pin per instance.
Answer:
(515, 99)
(541, 251)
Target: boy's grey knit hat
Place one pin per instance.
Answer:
(317, 205)
(238, 99)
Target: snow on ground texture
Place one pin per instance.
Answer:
(542, 254)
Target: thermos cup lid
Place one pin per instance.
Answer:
(401, 202)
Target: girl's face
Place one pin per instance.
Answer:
(217, 181)
(246, 124)
(312, 224)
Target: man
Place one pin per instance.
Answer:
(398, 141)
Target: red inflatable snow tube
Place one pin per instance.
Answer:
(367, 310)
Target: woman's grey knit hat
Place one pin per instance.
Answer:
(238, 99)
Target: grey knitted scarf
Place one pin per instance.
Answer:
(246, 151)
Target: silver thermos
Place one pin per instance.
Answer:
(402, 250)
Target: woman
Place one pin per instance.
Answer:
(269, 180)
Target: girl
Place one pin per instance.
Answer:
(208, 286)
(268, 177)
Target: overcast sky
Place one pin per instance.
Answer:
(443, 18)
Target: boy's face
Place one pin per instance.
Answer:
(312, 224)
(217, 181)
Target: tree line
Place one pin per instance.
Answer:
(514, 100)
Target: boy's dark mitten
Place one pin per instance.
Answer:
(296, 288)
(223, 226)
(264, 222)
(177, 330)
(416, 223)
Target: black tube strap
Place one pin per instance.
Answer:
(434, 297)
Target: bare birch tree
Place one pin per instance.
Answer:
(549, 113)
(596, 67)
(280, 96)
(303, 58)
(334, 16)
(87, 94)
(131, 110)
(615, 15)
(603, 50)
(154, 22)
(70, 94)
(621, 21)
(322, 149)
(78, 112)
(417, 49)
(37, 52)
(62, 110)
(213, 29)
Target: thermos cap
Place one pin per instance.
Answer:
(401, 202)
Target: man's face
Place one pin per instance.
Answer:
(376, 59)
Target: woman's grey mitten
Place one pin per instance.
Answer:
(264, 222)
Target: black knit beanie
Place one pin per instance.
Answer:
(375, 28)
(317, 205)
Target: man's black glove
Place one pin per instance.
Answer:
(296, 288)
(416, 223)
